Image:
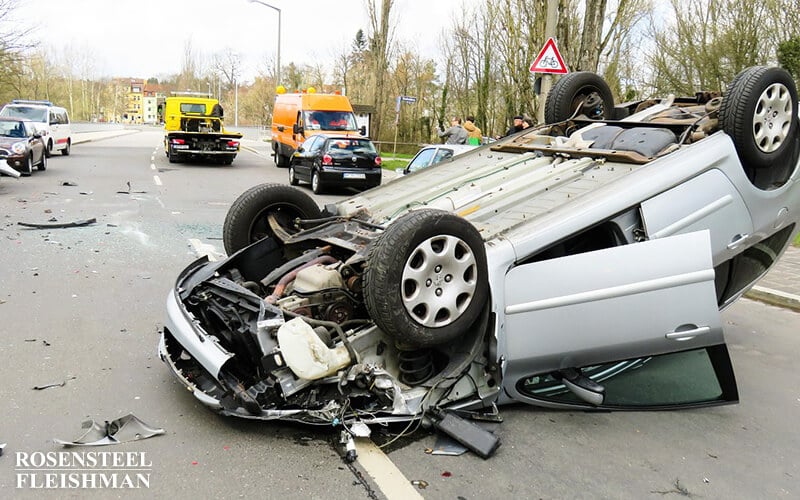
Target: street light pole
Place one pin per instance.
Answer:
(278, 69)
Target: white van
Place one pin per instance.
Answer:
(51, 121)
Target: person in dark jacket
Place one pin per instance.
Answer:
(517, 126)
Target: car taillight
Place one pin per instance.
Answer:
(178, 141)
(378, 161)
(327, 160)
(233, 144)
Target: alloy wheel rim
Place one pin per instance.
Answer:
(439, 280)
(772, 117)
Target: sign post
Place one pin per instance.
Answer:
(549, 62)
(400, 99)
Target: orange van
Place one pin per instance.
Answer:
(296, 117)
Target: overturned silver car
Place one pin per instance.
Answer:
(581, 264)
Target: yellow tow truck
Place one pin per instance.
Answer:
(193, 128)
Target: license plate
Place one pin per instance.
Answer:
(354, 176)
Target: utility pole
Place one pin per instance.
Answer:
(550, 25)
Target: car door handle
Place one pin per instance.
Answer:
(693, 331)
(737, 241)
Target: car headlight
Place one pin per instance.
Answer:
(18, 147)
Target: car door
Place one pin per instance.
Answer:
(629, 327)
(710, 200)
(302, 159)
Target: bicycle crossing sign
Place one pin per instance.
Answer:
(549, 60)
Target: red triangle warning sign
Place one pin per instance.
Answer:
(549, 60)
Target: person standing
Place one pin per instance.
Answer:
(517, 126)
(474, 135)
(455, 134)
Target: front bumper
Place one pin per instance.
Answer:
(8, 170)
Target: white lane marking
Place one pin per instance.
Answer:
(387, 476)
(157, 180)
(202, 249)
(153, 157)
(152, 166)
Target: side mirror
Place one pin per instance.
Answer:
(363, 130)
(297, 129)
(299, 150)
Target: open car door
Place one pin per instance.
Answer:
(630, 327)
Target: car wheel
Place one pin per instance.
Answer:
(281, 161)
(426, 283)
(43, 162)
(48, 149)
(316, 182)
(173, 157)
(247, 220)
(759, 112)
(28, 169)
(66, 149)
(585, 90)
(292, 177)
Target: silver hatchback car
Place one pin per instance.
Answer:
(582, 264)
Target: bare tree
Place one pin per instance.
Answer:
(380, 47)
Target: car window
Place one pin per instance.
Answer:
(193, 108)
(12, 129)
(27, 112)
(442, 154)
(330, 120)
(316, 144)
(350, 146)
(681, 378)
(422, 160)
(308, 143)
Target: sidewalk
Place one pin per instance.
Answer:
(781, 286)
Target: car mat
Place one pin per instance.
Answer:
(122, 430)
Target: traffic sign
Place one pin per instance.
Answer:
(549, 60)
(408, 99)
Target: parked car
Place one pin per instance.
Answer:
(21, 146)
(52, 122)
(433, 154)
(325, 160)
(580, 265)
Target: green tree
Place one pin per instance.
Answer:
(789, 56)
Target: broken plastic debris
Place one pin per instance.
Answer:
(2, 446)
(55, 384)
(360, 429)
(69, 183)
(60, 225)
(122, 430)
(420, 483)
(446, 446)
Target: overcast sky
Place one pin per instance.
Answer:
(144, 38)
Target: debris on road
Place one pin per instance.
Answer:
(420, 483)
(69, 183)
(2, 446)
(54, 384)
(122, 430)
(62, 225)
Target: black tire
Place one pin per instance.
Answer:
(28, 168)
(246, 221)
(66, 150)
(43, 163)
(759, 112)
(582, 89)
(172, 156)
(48, 149)
(292, 176)
(445, 251)
(228, 160)
(316, 183)
(281, 161)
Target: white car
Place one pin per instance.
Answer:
(433, 154)
(581, 264)
(52, 122)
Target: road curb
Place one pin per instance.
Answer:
(774, 297)
(84, 137)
